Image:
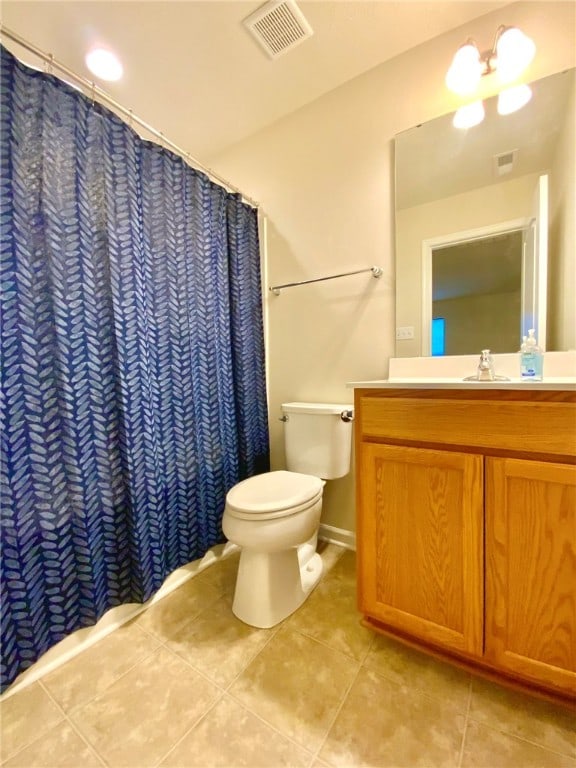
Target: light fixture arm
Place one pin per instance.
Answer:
(489, 58)
(499, 32)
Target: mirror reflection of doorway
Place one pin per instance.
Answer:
(477, 292)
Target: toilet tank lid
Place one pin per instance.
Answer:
(316, 407)
(273, 491)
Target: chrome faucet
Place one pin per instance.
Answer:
(486, 366)
(485, 370)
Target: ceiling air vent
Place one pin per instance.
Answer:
(504, 162)
(278, 26)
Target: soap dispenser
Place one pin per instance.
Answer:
(531, 358)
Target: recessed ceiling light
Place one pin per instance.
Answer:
(104, 64)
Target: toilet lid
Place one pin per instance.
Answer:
(273, 492)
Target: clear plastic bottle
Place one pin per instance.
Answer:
(531, 359)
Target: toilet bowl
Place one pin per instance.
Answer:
(275, 517)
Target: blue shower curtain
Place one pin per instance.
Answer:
(132, 362)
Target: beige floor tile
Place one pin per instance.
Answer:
(141, 716)
(487, 748)
(230, 736)
(25, 716)
(218, 644)
(528, 718)
(330, 554)
(382, 724)
(60, 748)
(92, 671)
(171, 615)
(222, 575)
(296, 684)
(419, 672)
(344, 566)
(330, 615)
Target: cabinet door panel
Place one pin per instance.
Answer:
(531, 569)
(420, 543)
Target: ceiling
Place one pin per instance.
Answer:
(193, 71)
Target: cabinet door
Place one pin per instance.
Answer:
(531, 569)
(420, 543)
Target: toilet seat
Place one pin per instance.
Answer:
(273, 495)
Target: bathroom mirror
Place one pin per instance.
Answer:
(485, 228)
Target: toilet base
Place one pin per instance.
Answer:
(272, 585)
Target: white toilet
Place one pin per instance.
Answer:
(274, 517)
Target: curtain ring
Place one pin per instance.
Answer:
(93, 91)
(130, 118)
(49, 64)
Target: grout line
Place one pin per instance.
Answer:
(416, 689)
(48, 693)
(371, 645)
(76, 708)
(43, 734)
(274, 631)
(193, 725)
(337, 712)
(46, 734)
(270, 725)
(327, 645)
(516, 737)
(221, 686)
(465, 729)
(91, 747)
(195, 669)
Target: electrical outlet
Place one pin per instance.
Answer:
(405, 332)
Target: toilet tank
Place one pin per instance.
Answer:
(317, 439)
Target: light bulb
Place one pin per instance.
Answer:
(514, 51)
(469, 115)
(465, 71)
(513, 99)
(104, 64)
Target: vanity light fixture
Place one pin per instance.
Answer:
(104, 64)
(509, 56)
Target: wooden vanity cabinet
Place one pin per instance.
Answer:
(531, 569)
(420, 543)
(466, 527)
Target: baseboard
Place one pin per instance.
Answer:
(82, 639)
(340, 536)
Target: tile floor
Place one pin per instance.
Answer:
(187, 685)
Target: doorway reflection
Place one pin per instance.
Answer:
(477, 292)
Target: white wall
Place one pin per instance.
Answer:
(562, 255)
(325, 179)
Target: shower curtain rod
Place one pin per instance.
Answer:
(96, 91)
(376, 272)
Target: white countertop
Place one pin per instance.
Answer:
(553, 383)
(449, 372)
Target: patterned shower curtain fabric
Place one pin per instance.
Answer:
(132, 362)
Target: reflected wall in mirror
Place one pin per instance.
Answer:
(513, 173)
